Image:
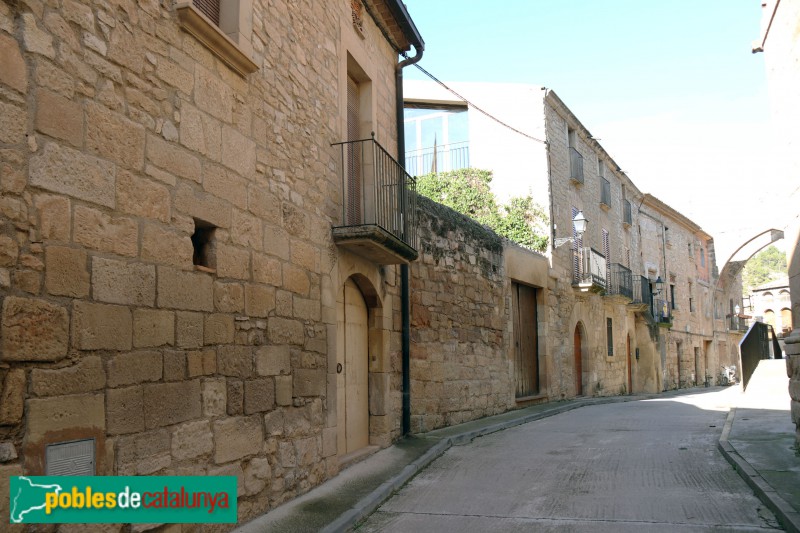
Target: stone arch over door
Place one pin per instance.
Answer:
(580, 350)
(361, 375)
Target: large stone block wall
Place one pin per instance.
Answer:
(460, 313)
(118, 132)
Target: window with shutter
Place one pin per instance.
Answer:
(209, 8)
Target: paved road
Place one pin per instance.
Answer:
(626, 467)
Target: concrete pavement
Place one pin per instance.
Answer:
(758, 440)
(342, 502)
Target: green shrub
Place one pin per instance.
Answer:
(467, 191)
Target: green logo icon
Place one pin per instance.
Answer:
(122, 499)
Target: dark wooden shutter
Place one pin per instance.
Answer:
(209, 8)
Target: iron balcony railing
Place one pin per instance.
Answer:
(590, 268)
(662, 311)
(605, 192)
(627, 215)
(442, 158)
(575, 165)
(377, 190)
(641, 291)
(738, 323)
(620, 281)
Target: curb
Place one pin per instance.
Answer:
(785, 513)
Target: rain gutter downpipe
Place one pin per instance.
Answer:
(405, 308)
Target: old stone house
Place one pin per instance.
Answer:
(174, 299)
(771, 303)
(212, 263)
(627, 305)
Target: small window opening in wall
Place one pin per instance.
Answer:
(204, 257)
(610, 335)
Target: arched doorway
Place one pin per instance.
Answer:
(630, 366)
(352, 368)
(578, 344)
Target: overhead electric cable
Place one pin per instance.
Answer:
(476, 108)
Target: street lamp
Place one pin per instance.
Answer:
(579, 222)
(659, 286)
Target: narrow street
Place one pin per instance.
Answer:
(647, 465)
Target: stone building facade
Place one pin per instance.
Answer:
(780, 42)
(606, 329)
(770, 303)
(172, 295)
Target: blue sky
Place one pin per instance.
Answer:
(670, 87)
(605, 58)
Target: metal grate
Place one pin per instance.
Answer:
(575, 165)
(605, 192)
(70, 458)
(627, 214)
(209, 8)
(354, 155)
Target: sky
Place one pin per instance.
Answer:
(670, 89)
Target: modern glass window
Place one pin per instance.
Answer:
(437, 139)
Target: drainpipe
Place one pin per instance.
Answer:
(405, 309)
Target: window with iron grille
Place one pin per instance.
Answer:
(627, 213)
(610, 335)
(607, 252)
(225, 27)
(575, 158)
(605, 192)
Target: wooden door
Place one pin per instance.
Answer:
(630, 369)
(697, 368)
(353, 371)
(526, 351)
(577, 340)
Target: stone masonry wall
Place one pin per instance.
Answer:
(119, 133)
(602, 374)
(460, 368)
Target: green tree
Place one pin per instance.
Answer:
(765, 266)
(467, 191)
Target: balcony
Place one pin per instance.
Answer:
(627, 215)
(442, 158)
(589, 270)
(642, 299)
(620, 283)
(662, 313)
(575, 165)
(379, 205)
(605, 193)
(738, 323)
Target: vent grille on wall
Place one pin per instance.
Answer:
(70, 458)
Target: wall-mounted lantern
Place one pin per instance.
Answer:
(579, 222)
